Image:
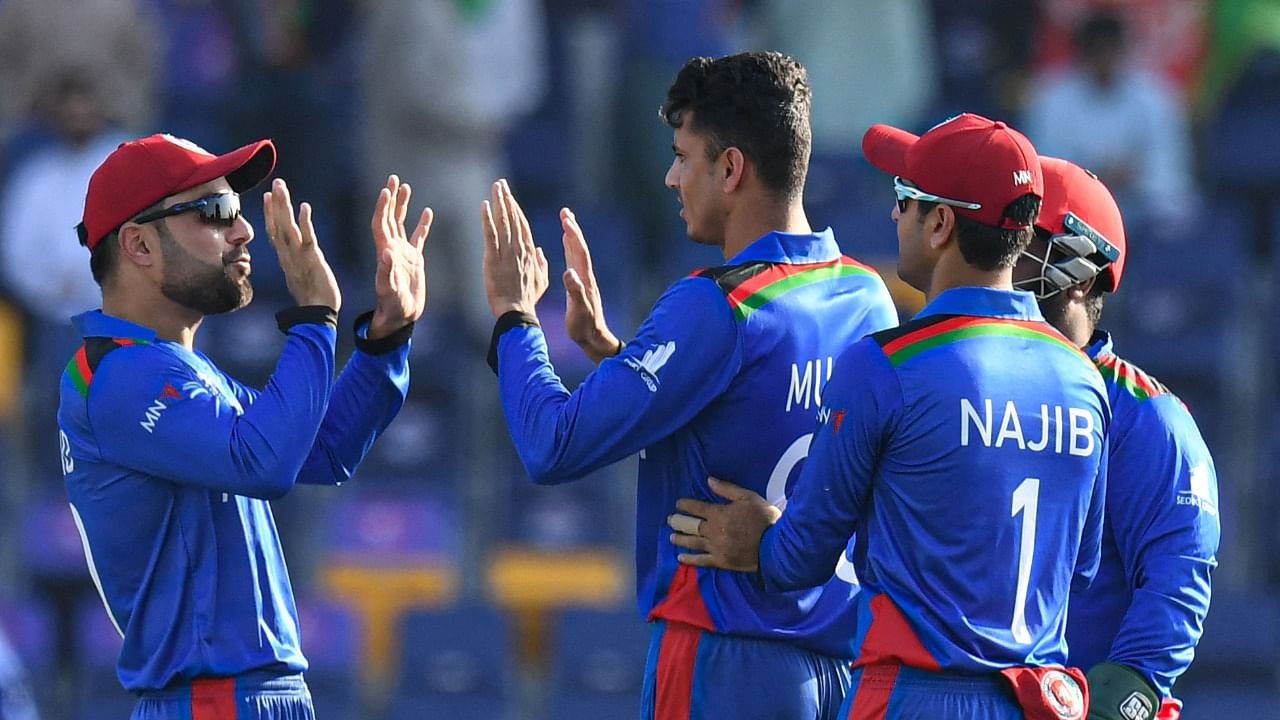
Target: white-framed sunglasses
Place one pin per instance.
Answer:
(907, 191)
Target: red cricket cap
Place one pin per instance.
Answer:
(1069, 188)
(968, 158)
(141, 173)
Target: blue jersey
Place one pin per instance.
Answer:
(724, 378)
(966, 449)
(169, 464)
(1146, 608)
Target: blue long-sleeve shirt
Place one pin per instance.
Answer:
(1146, 609)
(723, 378)
(966, 449)
(169, 463)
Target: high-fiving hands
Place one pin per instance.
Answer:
(306, 272)
(401, 281)
(515, 270)
(583, 308)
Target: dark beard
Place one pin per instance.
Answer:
(203, 287)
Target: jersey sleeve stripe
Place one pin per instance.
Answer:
(912, 344)
(79, 372)
(1128, 377)
(769, 286)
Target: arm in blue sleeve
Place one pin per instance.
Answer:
(1162, 504)
(1089, 556)
(684, 356)
(151, 414)
(860, 403)
(366, 398)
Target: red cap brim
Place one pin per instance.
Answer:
(886, 148)
(243, 167)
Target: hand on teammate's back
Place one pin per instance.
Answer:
(515, 270)
(401, 280)
(583, 308)
(306, 273)
(725, 535)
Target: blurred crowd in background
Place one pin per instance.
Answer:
(1175, 104)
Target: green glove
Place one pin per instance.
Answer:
(1117, 692)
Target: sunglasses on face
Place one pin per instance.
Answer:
(906, 191)
(221, 209)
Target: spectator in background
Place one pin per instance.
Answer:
(1124, 122)
(37, 221)
(115, 42)
(475, 68)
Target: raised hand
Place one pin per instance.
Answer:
(401, 281)
(583, 308)
(515, 270)
(306, 273)
(725, 536)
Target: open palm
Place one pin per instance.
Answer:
(401, 280)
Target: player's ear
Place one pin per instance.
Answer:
(733, 166)
(940, 224)
(137, 246)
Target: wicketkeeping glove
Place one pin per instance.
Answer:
(1118, 692)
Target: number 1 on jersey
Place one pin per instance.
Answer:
(1025, 499)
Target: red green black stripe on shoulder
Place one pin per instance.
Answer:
(903, 343)
(87, 359)
(1130, 377)
(751, 286)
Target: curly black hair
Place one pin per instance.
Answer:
(758, 102)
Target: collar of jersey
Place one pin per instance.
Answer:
(96, 323)
(1099, 345)
(984, 302)
(794, 248)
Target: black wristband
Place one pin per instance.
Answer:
(317, 314)
(382, 345)
(509, 319)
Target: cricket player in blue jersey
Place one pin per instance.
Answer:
(724, 377)
(966, 449)
(169, 463)
(1135, 629)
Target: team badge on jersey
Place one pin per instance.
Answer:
(1062, 694)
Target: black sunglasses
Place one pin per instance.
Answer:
(221, 209)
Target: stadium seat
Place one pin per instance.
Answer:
(388, 552)
(330, 642)
(597, 664)
(454, 663)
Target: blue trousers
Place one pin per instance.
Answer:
(248, 697)
(692, 674)
(903, 693)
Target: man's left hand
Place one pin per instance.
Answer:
(401, 280)
(726, 536)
